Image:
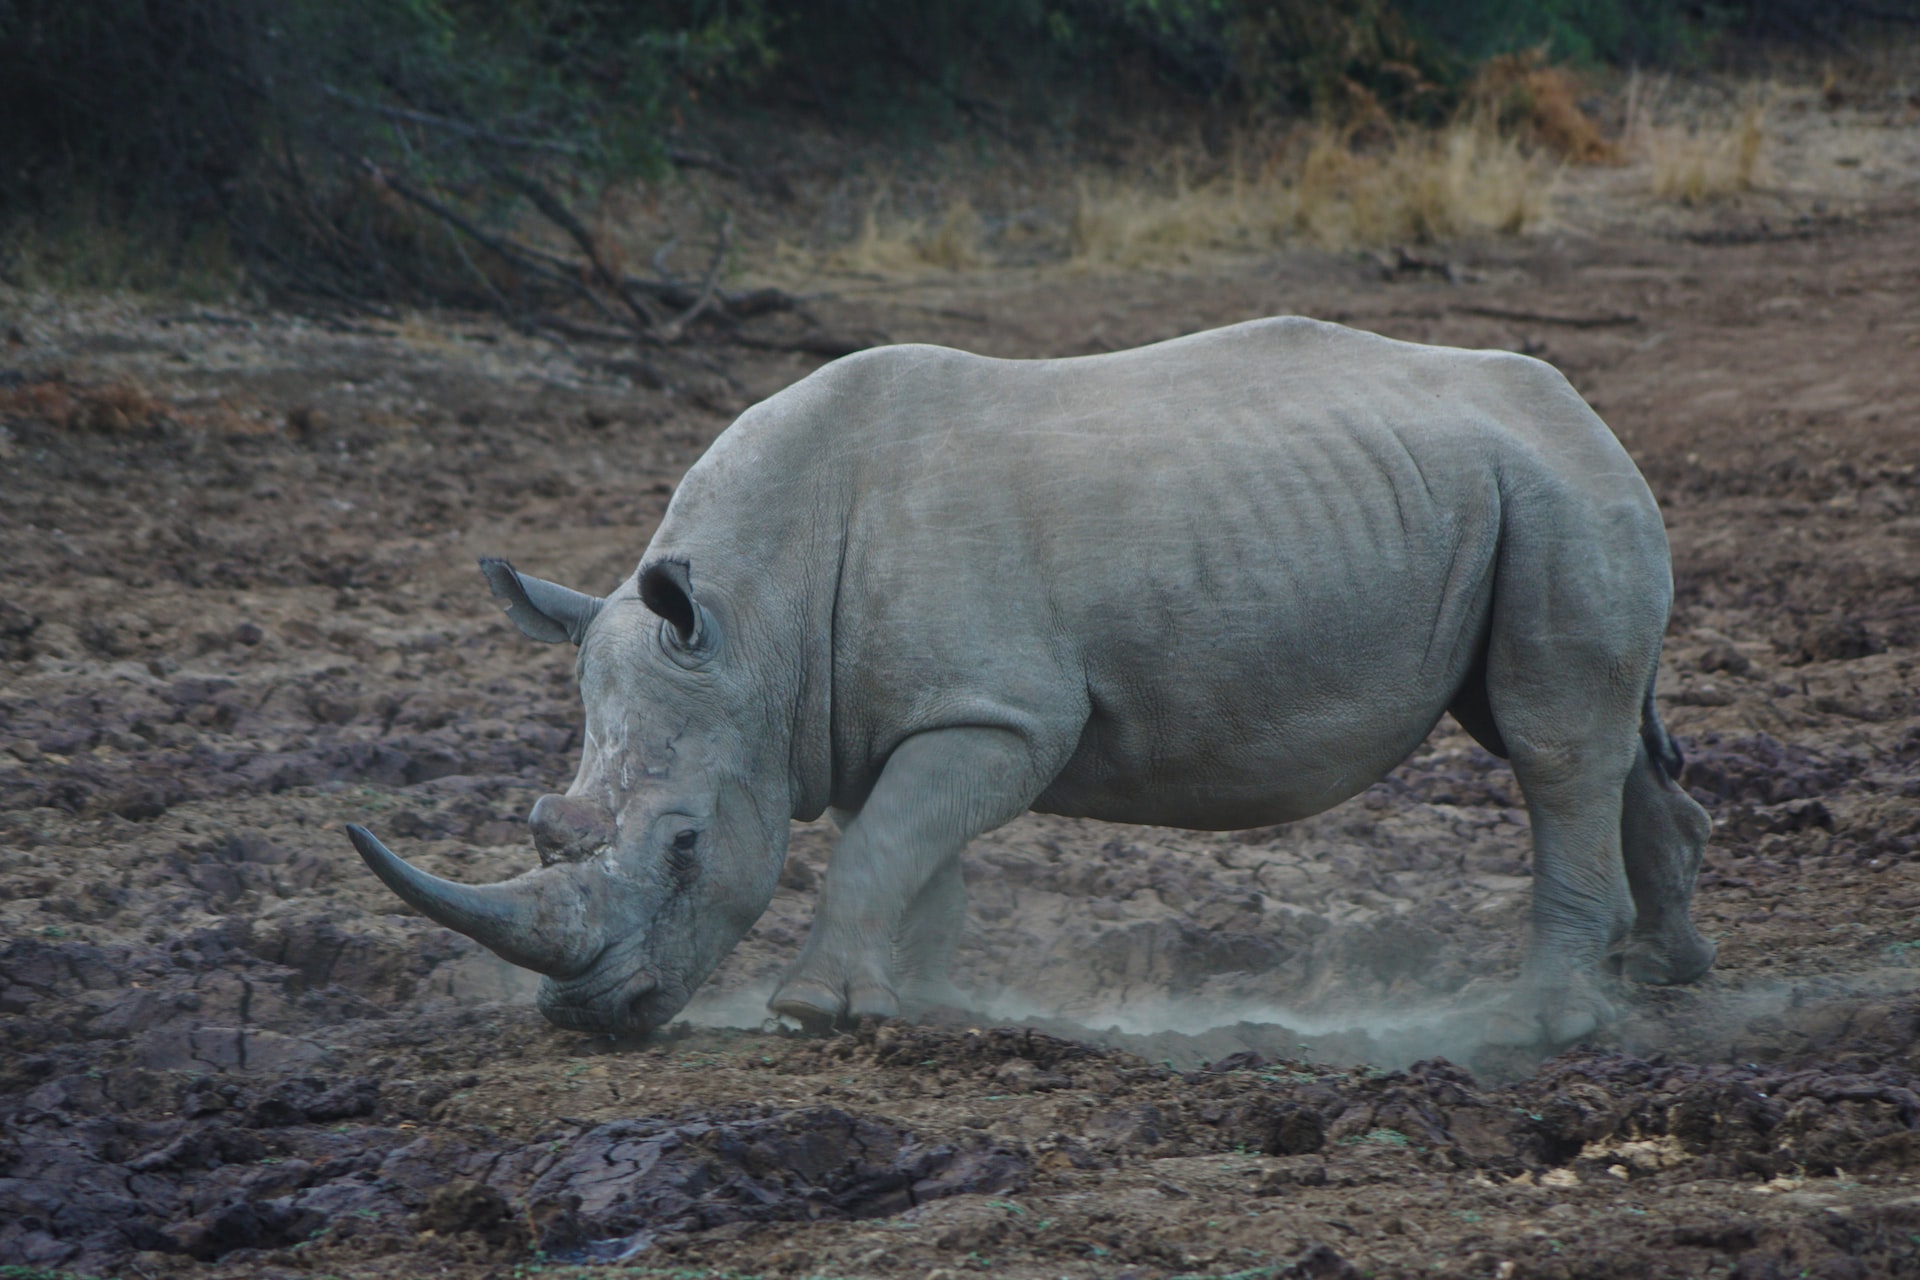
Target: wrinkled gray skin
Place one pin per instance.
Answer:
(1224, 581)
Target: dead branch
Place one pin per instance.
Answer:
(580, 330)
(671, 331)
(556, 212)
(658, 311)
(702, 160)
(520, 255)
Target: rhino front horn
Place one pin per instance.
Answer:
(539, 921)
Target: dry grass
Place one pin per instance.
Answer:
(1694, 164)
(1523, 95)
(891, 243)
(1419, 186)
(1696, 155)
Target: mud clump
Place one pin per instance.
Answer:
(214, 1173)
(470, 1208)
(1834, 640)
(1760, 769)
(625, 1185)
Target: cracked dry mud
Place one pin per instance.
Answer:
(240, 610)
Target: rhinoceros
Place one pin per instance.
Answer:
(1223, 581)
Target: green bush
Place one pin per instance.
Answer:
(1591, 31)
(293, 122)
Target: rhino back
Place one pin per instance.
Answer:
(1222, 580)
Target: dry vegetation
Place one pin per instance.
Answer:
(1531, 149)
(1320, 186)
(1702, 154)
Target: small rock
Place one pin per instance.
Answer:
(1724, 657)
(16, 632)
(467, 1208)
(1836, 640)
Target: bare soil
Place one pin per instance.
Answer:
(240, 610)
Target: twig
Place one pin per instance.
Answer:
(580, 329)
(701, 160)
(671, 331)
(299, 278)
(660, 260)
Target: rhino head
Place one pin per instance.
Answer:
(667, 846)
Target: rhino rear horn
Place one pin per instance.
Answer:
(542, 610)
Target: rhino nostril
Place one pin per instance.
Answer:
(565, 828)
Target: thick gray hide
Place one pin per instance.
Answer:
(1223, 581)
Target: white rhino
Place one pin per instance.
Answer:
(1222, 581)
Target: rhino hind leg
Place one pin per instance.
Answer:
(1580, 602)
(893, 901)
(1663, 835)
(1474, 712)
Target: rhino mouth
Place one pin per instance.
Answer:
(623, 1001)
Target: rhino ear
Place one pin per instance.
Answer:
(666, 587)
(542, 610)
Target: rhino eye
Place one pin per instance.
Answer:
(682, 865)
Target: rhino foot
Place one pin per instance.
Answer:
(1663, 961)
(821, 1007)
(1546, 1017)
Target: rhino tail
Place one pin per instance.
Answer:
(1661, 748)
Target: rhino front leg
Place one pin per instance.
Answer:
(892, 902)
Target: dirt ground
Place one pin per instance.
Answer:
(241, 609)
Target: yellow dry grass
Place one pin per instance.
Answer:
(1420, 186)
(1696, 164)
(889, 244)
(1313, 186)
(1713, 155)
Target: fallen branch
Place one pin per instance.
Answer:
(520, 255)
(701, 160)
(557, 213)
(671, 331)
(657, 312)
